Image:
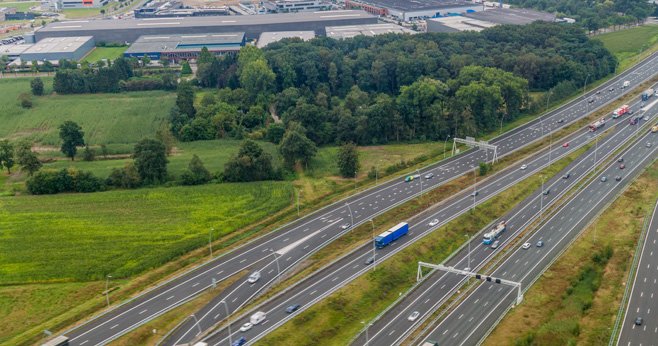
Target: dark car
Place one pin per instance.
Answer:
(292, 308)
(566, 176)
(239, 342)
(611, 89)
(639, 321)
(560, 121)
(547, 191)
(598, 92)
(618, 178)
(590, 101)
(540, 243)
(621, 159)
(474, 193)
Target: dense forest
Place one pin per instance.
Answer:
(371, 90)
(594, 14)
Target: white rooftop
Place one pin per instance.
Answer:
(275, 36)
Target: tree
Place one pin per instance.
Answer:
(295, 146)
(6, 155)
(88, 154)
(37, 86)
(27, 159)
(196, 173)
(146, 60)
(126, 177)
(185, 99)
(258, 79)
(348, 160)
(151, 161)
(72, 136)
(251, 163)
(164, 135)
(185, 68)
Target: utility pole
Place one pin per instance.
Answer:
(374, 259)
(210, 240)
(107, 290)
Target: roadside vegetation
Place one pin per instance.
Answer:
(576, 301)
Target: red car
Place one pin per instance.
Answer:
(622, 166)
(565, 145)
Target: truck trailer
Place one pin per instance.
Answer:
(620, 111)
(393, 234)
(597, 124)
(647, 94)
(490, 237)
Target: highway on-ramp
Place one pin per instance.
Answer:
(359, 208)
(643, 302)
(475, 316)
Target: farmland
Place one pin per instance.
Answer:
(111, 119)
(122, 232)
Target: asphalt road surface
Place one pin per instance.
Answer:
(334, 276)
(474, 317)
(392, 326)
(644, 294)
(314, 231)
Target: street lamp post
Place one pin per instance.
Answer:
(444, 146)
(585, 85)
(475, 181)
(367, 326)
(374, 259)
(421, 182)
(197, 323)
(355, 182)
(351, 217)
(107, 288)
(230, 342)
(541, 198)
(297, 193)
(278, 270)
(469, 251)
(210, 240)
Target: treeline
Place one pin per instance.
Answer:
(372, 90)
(119, 75)
(594, 14)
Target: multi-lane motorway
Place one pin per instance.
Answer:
(643, 302)
(394, 325)
(336, 275)
(314, 231)
(475, 316)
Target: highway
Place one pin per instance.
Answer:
(644, 294)
(314, 231)
(472, 319)
(240, 293)
(336, 275)
(393, 325)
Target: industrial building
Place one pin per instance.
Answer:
(349, 31)
(271, 37)
(64, 4)
(286, 6)
(184, 47)
(56, 48)
(411, 10)
(13, 51)
(477, 21)
(157, 8)
(128, 30)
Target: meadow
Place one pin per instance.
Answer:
(125, 232)
(109, 53)
(105, 118)
(627, 44)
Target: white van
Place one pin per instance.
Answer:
(626, 84)
(257, 318)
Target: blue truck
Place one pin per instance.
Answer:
(490, 237)
(394, 233)
(647, 93)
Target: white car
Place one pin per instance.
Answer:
(526, 246)
(254, 277)
(524, 166)
(434, 222)
(414, 315)
(345, 226)
(245, 327)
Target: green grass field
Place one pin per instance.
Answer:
(627, 44)
(109, 53)
(122, 232)
(21, 6)
(105, 118)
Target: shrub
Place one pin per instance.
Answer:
(25, 100)
(65, 180)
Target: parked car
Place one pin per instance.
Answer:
(434, 222)
(292, 308)
(245, 327)
(525, 246)
(254, 277)
(414, 315)
(540, 243)
(495, 244)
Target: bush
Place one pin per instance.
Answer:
(66, 180)
(25, 100)
(126, 177)
(37, 86)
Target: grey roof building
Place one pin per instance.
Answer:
(518, 16)
(176, 47)
(56, 48)
(348, 31)
(270, 37)
(128, 30)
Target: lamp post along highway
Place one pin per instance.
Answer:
(197, 323)
(468, 239)
(541, 198)
(278, 270)
(351, 217)
(297, 195)
(444, 147)
(107, 289)
(228, 322)
(374, 259)
(367, 326)
(421, 182)
(210, 240)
